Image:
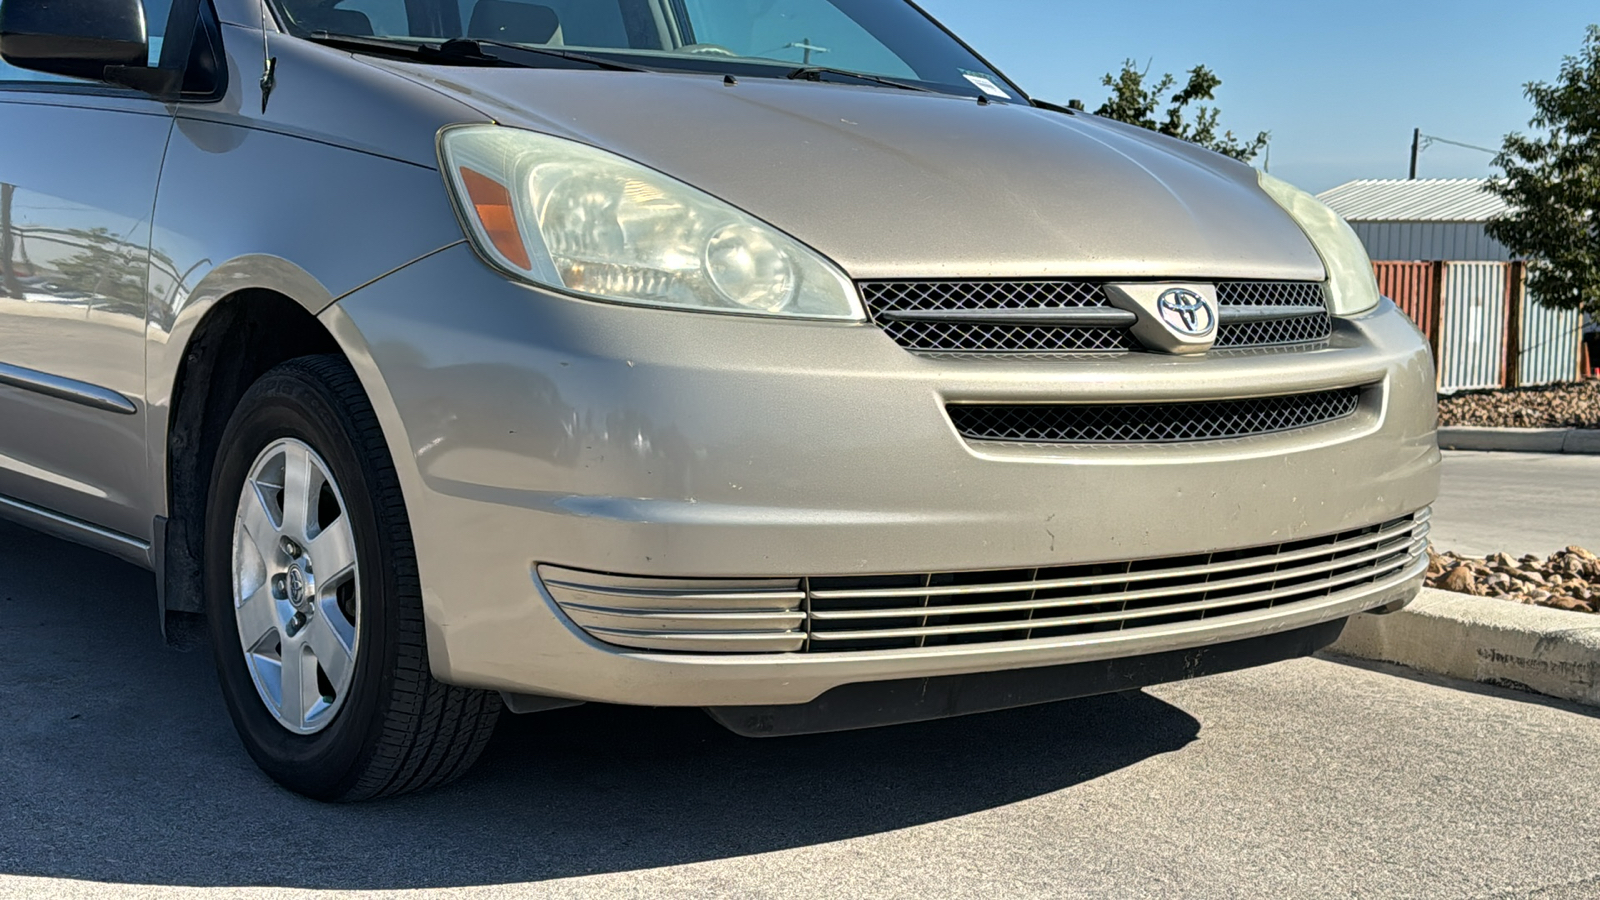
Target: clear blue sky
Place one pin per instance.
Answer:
(1339, 85)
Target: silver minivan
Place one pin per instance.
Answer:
(777, 357)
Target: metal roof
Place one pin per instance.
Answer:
(1433, 200)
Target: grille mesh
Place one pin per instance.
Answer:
(1151, 423)
(886, 296)
(1271, 332)
(883, 298)
(964, 337)
(975, 338)
(1269, 293)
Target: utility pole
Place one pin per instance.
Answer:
(9, 286)
(1416, 149)
(809, 48)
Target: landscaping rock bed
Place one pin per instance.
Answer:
(1569, 579)
(1575, 405)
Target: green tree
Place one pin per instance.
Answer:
(1552, 184)
(106, 267)
(1133, 102)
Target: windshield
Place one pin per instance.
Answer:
(888, 39)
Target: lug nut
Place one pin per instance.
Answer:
(291, 548)
(295, 624)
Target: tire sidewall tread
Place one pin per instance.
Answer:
(399, 730)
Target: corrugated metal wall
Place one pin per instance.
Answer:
(1410, 286)
(1550, 344)
(1465, 241)
(1466, 318)
(1474, 324)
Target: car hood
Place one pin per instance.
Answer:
(896, 184)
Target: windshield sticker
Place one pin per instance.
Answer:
(982, 83)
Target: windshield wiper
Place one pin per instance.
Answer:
(468, 51)
(1069, 109)
(421, 52)
(815, 73)
(599, 62)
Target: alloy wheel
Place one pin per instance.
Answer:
(296, 586)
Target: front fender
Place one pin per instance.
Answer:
(241, 209)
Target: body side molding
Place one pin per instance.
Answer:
(78, 531)
(66, 389)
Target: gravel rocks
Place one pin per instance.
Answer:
(1575, 405)
(1569, 579)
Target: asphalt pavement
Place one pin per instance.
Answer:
(120, 775)
(1517, 503)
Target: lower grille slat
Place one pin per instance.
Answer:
(930, 610)
(1395, 559)
(1268, 579)
(1150, 423)
(1240, 560)
(702, 642)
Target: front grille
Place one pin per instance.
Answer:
(1271, 293)
(1274, 332)
(1035, 604)
(885, 296)
(991, 316)
(897, 612)
(974, 338)
(1150, 423)
(887, 299)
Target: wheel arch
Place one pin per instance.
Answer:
(226, 347)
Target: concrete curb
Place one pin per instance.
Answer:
(1520, 440)
(1549, 651)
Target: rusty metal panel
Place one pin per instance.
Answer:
(1410, 286)
(1473, 323)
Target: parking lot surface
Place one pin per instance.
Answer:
(120, 775)
(1517, 503)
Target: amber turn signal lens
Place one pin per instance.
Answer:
(492, 202)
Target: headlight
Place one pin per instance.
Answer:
(1352, 286)
(569, 216)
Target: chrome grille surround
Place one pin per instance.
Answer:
(1075, 317)
(896, 612)
(1150, 423)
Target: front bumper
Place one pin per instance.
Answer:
(897, 702)
(534, 429)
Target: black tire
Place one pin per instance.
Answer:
(398, 730)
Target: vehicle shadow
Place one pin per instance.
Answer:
(118, 764)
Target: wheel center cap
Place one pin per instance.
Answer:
(298, 587)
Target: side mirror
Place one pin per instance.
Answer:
(78, 38)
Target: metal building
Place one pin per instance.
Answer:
(1440, 219)
(1434, 258)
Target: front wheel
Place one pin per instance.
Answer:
(313, 600)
